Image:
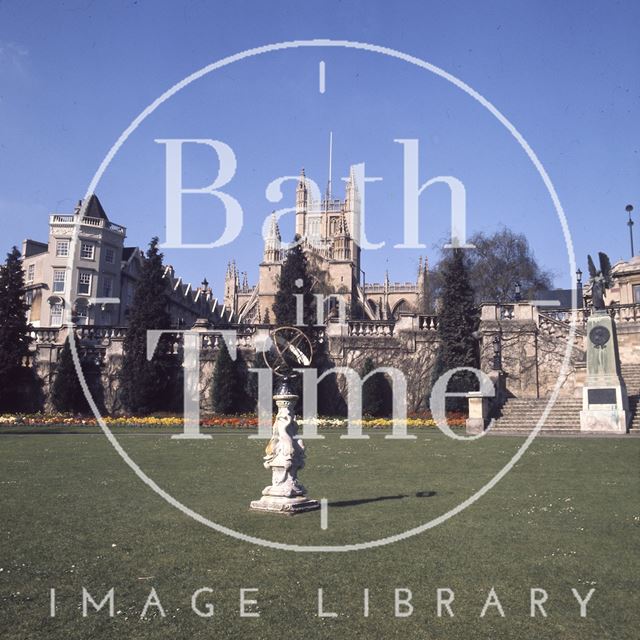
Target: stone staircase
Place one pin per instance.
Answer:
(631, 376)
(521, 415)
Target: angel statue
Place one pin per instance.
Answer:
(600, 280)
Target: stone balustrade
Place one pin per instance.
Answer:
(380, 287)
(64, 219)
(626, 312)
(93, 332)
(45, 335)
(566, 315)
(371, 328)
(427, 323)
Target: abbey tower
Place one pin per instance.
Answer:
(328, 228)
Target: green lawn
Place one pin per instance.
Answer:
(73, 515)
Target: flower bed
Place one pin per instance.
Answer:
(237, 421)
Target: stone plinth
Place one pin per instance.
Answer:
(478, 411)
(285, 455)
(285, 506)
(605, 406)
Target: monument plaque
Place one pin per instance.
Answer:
(605, 406)
(601, 396)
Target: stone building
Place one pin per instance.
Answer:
(100, 276)
(626, 283)
(329, 229)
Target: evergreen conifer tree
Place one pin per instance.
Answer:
(457, 322)
(16, 378)
(252, 380)
(66, 393)
(227, 388)
(294, 280)
(146, 385)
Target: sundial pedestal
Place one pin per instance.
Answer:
(605, 405)
(285, 455)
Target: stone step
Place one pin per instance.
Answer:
(523, 414)
(631, 376)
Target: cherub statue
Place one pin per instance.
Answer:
(284, 453)
(600, 280)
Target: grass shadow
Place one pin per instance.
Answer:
(355, 503)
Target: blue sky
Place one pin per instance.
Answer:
(74, 74)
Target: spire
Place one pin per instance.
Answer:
(302, 201)
(350, 191)
(341, 248)
(424, 287)
(330, 166)
(274, 229)
(343, 229)
(272, 243)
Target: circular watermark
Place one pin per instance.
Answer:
(557, 206)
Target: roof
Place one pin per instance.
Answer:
(626, 266)
(93, 209)
(564, 296)
(34, 248)
(127, 252)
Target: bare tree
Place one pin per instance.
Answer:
(498, 262)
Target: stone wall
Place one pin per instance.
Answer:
(532, 345)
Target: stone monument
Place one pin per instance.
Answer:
(285, 453)
(605, 405)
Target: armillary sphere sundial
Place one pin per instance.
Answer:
(290, 349)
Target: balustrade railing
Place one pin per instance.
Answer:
(61, 219)
(427, 323)
(45, 335)
(626, 312)
(379, 287)
(93, 332)
(373, 328)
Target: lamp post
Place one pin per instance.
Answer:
(629, 209)
(580, 300)
(496, 344)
